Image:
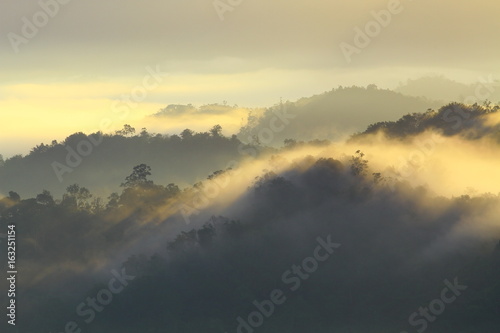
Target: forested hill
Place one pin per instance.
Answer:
(386, 253)
(203, 255)
(467, 121)
(335, 114)
(101, 161)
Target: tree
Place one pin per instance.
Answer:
(144, 133)
(186, 134)
(358, 164)
(96, 206)
(45, 198)
(113, 200)
(138, 177)
(290, 143)
(216, 131)
(127, 130)
(77, 197)
(206, 235)
(172, 189)
(39, 149)
(14, 196)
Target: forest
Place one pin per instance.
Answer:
(206, 257)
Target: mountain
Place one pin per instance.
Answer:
(332, 115)
(319, 245)
(455, 119)
(445, 90)
(101, 161)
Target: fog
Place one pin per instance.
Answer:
(250, 166)
(441, 208)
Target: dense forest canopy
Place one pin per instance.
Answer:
(231, 166)
(100, 161)
(201, 230)
(468, 121)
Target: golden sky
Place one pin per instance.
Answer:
(67, 74)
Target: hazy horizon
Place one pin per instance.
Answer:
(64, 74)
(248, 166)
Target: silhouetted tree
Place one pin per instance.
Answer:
(358, 164)
(14, 196)
(45, 198)
(113, 200)
(126, 131)
(186, 134)
(138, 177)
(77, 197)
(216, 131)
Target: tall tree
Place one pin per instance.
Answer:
(138, 177)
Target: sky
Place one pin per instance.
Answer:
(66, 66)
